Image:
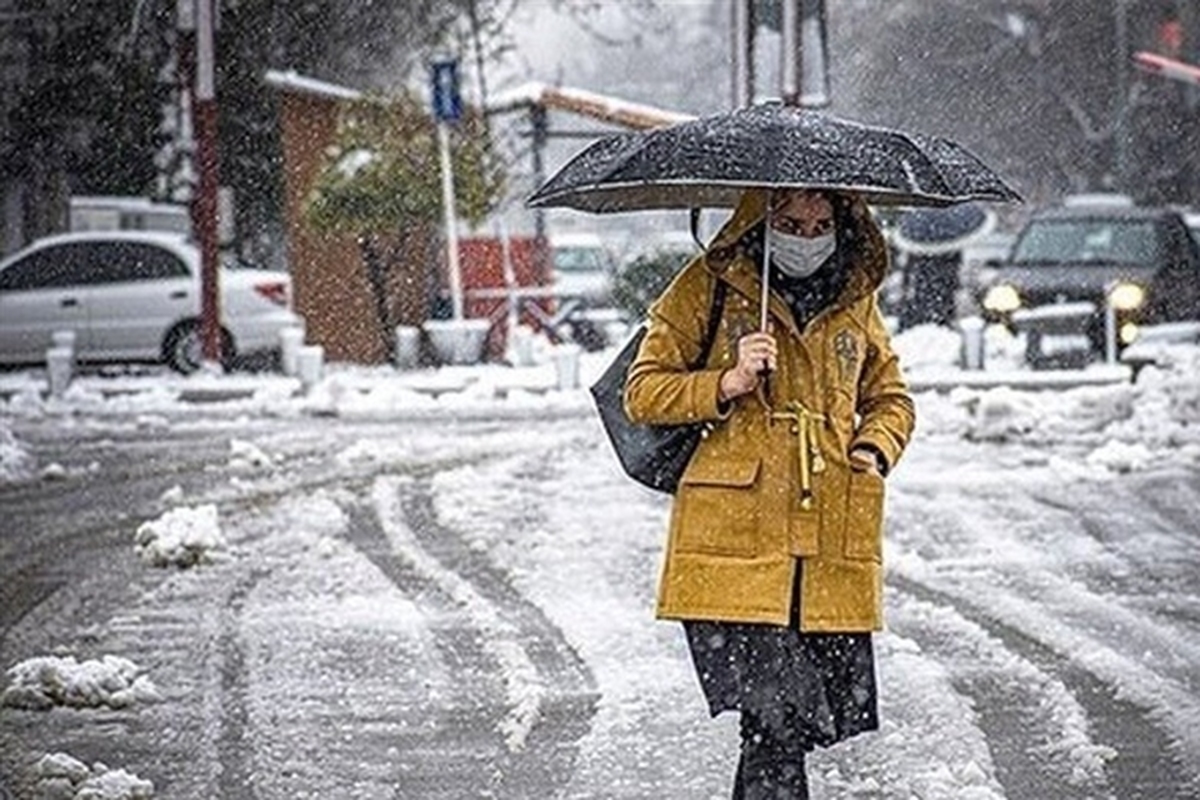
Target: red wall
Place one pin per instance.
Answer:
(481, 260)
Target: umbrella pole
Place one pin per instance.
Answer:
(765, 372)
(764, 299)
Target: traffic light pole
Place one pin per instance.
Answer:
(1120, 63)
(803, 51)
(742, 30)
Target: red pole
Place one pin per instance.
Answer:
(186, 51)
(206, 197)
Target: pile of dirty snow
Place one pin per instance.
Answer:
(1125, 427)
(937, 348)
(15, 462)
(1166, 411)
(927, 347)
(42, 683)
(246, 456)
(61, 777)
(181, 537)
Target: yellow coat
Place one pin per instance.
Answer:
(739, 520)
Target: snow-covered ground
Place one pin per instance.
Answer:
(996, 577)
(1125, 420)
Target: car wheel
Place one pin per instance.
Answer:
(183, 350)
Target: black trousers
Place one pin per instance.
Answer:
(771, 765)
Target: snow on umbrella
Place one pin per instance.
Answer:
(936, 231)
(711, 161)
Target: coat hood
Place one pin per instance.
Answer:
(858, 233)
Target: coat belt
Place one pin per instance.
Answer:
(804, 424)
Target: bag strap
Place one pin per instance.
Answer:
(714, 321)
(694, 226)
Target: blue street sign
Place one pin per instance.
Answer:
(447, 102)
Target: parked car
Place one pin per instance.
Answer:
(133, 296)
(582, 267)
(1078, 258)
(1193, 222)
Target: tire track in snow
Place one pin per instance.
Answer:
(547, 694)
(233, 742)
(1149, 524)
(563, 674)
(444, 763)
(1139, 770)
(552, 693)
(1175, 498)
(1016, 557)
(1035, 729)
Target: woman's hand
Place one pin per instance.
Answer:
(756, 354)
(864, 460)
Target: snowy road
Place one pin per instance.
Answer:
(427, 607)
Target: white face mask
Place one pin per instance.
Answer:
(798, 256)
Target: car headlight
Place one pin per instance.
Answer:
(1002, 299)
(1127, 296)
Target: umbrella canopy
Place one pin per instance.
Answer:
(937, 231)
(708, 162)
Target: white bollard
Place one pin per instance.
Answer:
(59, 361)
(971, 329)
(566, 366)
(63, 339)
(408, 346)
(1110, 333)
(310, 364)
(291, 339)
(520, 346)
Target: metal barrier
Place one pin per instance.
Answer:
(561, 325)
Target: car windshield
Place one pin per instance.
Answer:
(1105, 241)
(580, 259)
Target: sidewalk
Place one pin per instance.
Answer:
(480, 383)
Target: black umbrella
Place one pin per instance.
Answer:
(935, 231)
(711, 161)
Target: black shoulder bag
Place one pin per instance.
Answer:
(653, 455)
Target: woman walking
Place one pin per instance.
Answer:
(773, 559)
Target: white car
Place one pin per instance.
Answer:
(1193, 222)
(133, 296)
(582, 268)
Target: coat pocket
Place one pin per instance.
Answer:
(864, 517)
(718, 508)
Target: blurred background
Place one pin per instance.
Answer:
(95, 116)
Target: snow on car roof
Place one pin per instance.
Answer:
(576, 239)
(164, 237)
